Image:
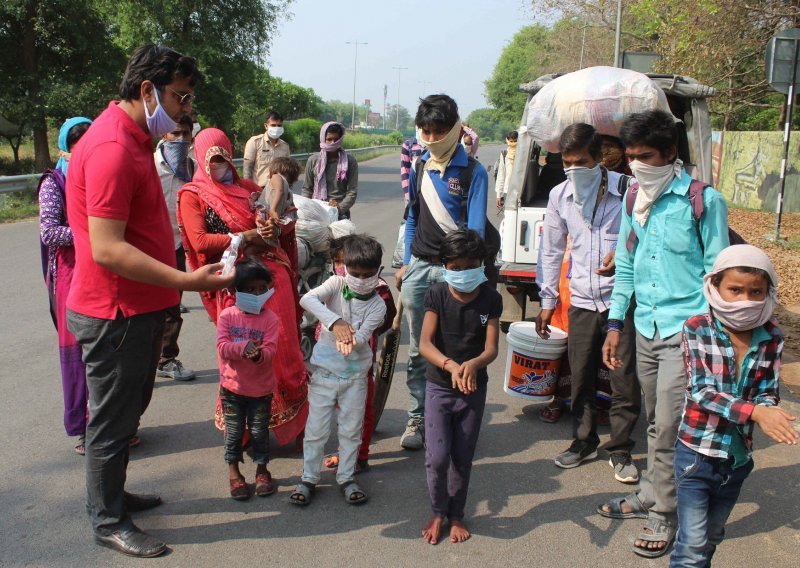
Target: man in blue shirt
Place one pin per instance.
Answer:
(434, 211)
(587, 208)
(662, 264)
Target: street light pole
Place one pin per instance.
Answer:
(356, 43)
(397, 110)
(424, 87)
(618, 35)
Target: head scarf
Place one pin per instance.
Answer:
(63, 149)
(442, 150)
(320, 183)
(231, 202)
(746, 314)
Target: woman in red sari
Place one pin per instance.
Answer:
(214, 205)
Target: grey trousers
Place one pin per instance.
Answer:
(121, 356)
(663, 378)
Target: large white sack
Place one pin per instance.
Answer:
(600, 96)
(342, 228)
(313, 219)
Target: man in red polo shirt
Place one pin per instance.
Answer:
(125, 277)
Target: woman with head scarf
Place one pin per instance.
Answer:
(214, 206)
(58, 263)
(332, 175)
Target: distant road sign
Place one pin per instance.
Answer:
(781, 58)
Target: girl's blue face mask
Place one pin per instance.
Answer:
(252, 303)
(465, 281)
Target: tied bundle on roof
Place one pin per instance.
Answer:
(601, 96)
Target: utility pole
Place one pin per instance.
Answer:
(583, 45)
(356, 43)
(397, 113)
(385, 95)
(618, 34)
(424, 87)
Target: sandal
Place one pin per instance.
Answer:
(660, 531)
(264, 484)
(239, 490)
(361, 466)
(638, 511)
(331, 461)
(353, 494)
(302, 493)
(550, 414)
(135, 441)
(80, 446)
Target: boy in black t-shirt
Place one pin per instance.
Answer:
(459, 340)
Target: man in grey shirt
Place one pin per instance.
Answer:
(587, 208)
(339, 188)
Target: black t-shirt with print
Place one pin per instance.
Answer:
(461, 334)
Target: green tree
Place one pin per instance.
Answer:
(56, 61)
(489, 125)
(398, 117)
(522, 60)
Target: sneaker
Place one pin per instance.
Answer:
(175, 370)
(414, 436)
(625, 471)
(577, 453)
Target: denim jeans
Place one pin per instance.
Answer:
(325, 392)
(238, 411)
(420, 275)
(707, 491)
(121, 356)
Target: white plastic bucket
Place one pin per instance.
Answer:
(532, 362)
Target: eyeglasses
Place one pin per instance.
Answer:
(185, 99)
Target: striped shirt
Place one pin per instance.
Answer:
(408, 153)
(720, 401)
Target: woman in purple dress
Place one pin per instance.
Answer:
(58, 262)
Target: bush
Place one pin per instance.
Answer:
(302, 135)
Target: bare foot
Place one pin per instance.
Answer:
(458, 532)
(624, 507)
(433, 531)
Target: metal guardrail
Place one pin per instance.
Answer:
(29, 182)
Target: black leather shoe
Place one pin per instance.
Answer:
(132, 542)
(135, 503)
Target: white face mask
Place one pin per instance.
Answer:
(585, 185)
(275, 132)
(221, 172)
(361, 286)
(653, 182)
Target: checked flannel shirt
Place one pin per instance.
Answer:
(716, 402)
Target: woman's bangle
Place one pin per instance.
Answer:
(616, 325)
(444, 365)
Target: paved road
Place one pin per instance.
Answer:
(522, 509)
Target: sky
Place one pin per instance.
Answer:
(448, 46)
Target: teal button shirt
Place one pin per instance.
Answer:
(665, 270)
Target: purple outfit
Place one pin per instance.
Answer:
(58, 263)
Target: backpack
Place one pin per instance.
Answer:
(500, 160)
(696, 189)
(492, 238)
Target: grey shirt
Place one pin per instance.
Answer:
(344, 192)
(588, 246)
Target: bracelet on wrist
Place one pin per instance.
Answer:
(616, 325)
(444, 365)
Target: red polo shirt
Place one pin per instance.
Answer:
(112, 175)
